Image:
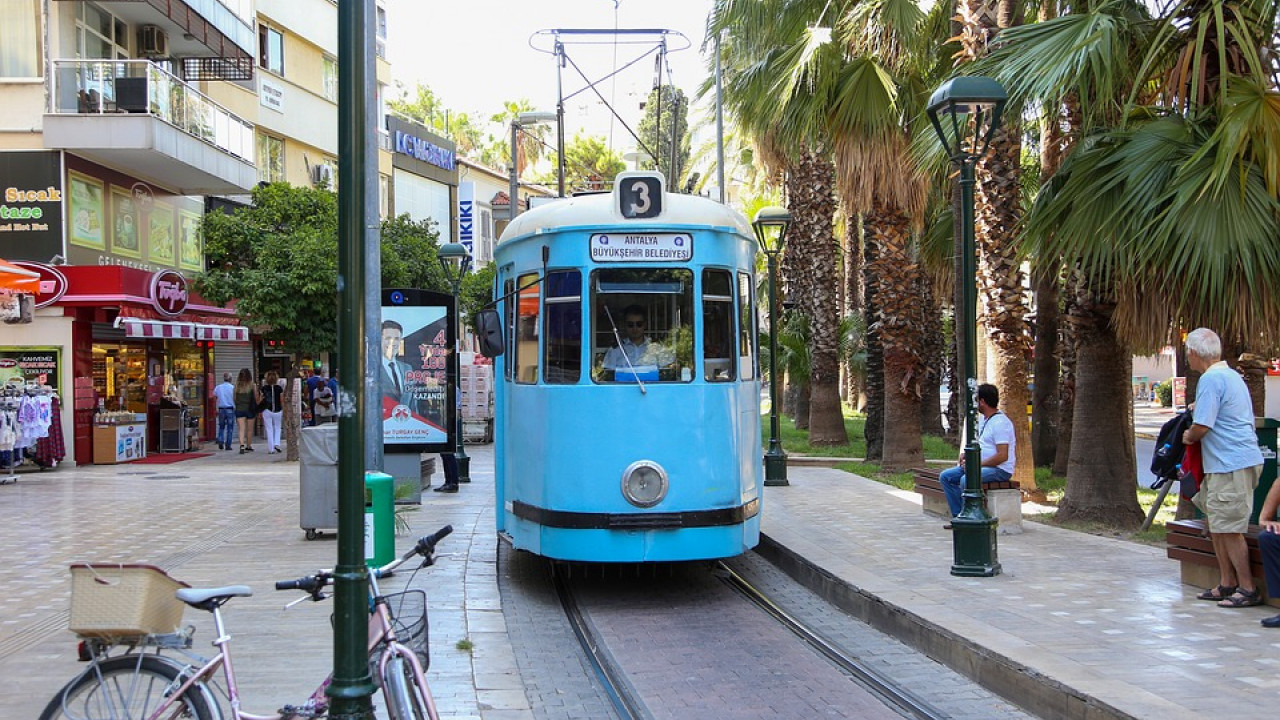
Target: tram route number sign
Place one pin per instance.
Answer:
(641, 247)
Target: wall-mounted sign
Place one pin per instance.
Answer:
(467, 216)
(53, 284)
(424, 150)
(169, 292)
(38, 365)
(271, 95)
(641, 247)
(31, 204)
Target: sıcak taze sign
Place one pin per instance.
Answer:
(169, 292)
(31, 205)
(641, 247)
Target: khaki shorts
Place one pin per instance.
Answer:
(1226, 499)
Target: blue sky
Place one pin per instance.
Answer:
(475, 54)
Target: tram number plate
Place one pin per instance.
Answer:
(640, 197)
(641, 247)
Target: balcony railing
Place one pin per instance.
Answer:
(142, 87)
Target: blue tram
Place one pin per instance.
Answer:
(628, 399)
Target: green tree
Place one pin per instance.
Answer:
(424, 106)
(657, 139)
(278, 259)
(589, 164)
(1167, 204)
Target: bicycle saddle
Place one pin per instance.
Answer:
(198, 596)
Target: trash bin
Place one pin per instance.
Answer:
(379, 518)
(318, 480)
(1266, 430)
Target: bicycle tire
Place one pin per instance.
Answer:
(404, 698)
(136, 690)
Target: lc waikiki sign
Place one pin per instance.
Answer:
(416, 147)
(169, 292)
(467, 216)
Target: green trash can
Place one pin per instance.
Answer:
(1266, 430)
(379, 519)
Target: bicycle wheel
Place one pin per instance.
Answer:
(122, 688)
(405, 699)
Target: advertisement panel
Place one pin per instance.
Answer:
(39, 365)
(31, 205)
(418, 400)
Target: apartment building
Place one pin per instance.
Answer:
(124, 122)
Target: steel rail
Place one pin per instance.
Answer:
(884, 688)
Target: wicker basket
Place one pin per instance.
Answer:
(123, 601)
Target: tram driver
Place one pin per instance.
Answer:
(637, 352)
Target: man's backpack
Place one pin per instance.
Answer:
(1169, 449)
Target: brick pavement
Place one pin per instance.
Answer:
(233, 519)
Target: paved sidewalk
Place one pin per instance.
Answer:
(233, 519)
(1107, 620)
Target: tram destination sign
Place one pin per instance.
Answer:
(641, 247)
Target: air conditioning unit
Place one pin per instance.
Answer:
(152, 42)
(322, 174)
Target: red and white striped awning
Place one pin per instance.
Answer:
(226, 333)
(173, 330)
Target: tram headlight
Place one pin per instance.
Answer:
(644, 483)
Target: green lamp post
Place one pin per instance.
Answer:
(972, 106)
(771, 225)
(456, 261)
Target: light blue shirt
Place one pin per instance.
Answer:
(225, 393)
(1223, 406)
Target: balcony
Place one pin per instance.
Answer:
(136, 117)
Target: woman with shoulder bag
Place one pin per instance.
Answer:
(272, 410)
(247, 398)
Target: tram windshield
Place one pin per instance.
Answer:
(642, 325)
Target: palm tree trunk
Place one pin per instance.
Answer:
(1044, 401)
(900, 322)
(934, 348)
(1068, 342)
(873, 432)
(1100, 486)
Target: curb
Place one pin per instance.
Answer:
(1023, 686)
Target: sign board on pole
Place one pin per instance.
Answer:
(418, 334)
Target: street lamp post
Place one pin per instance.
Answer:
(770, 225)
(976, 102)
(456, 262)
(523, 119)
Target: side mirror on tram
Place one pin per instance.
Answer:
(489, 331)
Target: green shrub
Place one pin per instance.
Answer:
(1164, 391)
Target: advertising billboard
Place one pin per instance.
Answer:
(31, 205)
(419, 401)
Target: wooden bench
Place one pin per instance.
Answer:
(1004, 499)
(1187, 542)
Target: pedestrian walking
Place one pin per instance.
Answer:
(224, 395)
(272, 410)
(1223, 426)
(247, 398)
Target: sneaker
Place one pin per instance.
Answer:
(1271, 622)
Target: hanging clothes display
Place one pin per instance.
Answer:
(26, 417)
(51, 449)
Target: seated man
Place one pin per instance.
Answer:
(996, 447)
(636, 349)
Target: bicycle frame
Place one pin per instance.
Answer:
(381, 630)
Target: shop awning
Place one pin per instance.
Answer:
(18, 279)
(177, 330)
(227, 333)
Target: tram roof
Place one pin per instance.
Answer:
(600, 210)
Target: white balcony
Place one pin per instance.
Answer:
(134, 116)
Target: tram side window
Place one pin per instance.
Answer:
(641, 325)
(747, 357)
(717, 325)
(526, 344)
(508, 320)
(564, 327)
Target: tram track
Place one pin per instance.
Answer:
(640, 670)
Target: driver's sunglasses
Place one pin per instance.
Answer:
(636, 324)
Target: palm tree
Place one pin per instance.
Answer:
(1168, 205)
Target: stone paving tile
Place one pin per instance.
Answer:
(1149, 649)
(233, 519)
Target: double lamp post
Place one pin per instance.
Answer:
(971, 106)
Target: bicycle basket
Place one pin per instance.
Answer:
(409, 613)
(119, 601)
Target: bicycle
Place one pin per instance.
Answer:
(137, 685)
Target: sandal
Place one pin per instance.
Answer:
(1217, 594)
(1242, 598)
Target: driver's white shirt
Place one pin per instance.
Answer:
(642, 353)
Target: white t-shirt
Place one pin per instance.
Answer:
(993, 431)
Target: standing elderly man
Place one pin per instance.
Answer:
(224, 394)
(1223, 426)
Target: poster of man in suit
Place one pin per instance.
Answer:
(413, 375)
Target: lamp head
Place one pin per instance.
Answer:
(959, 98)
(535, 117)
(771, 225)
(455, 260)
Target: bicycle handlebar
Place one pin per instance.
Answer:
(315, 583)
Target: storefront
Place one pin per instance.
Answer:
(116, 329)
